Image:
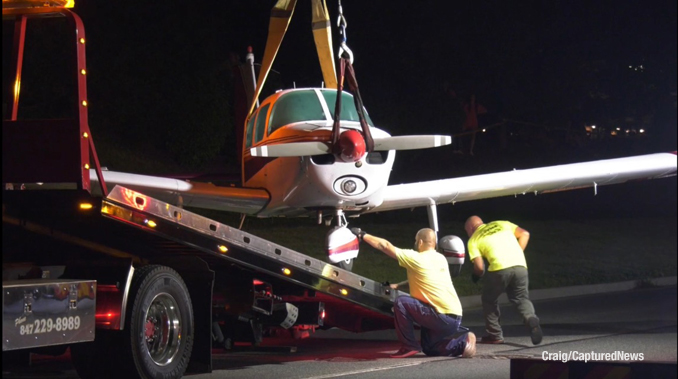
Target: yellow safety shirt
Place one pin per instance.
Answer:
(496, 242)
(429, 278)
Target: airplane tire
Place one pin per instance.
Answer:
(158, 339)
(346, 264)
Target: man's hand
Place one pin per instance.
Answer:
(359, 233)
(475, 278)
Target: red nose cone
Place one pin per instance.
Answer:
(351, 146)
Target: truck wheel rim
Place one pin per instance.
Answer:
(162, 330)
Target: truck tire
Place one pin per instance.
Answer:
(159, 334)
(136, 352)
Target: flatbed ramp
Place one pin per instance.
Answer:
(353, 302)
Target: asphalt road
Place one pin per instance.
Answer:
(635, 321)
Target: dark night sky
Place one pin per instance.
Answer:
(551, 62)
(162, 68)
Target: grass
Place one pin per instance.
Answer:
(564, 252)
(627, 232)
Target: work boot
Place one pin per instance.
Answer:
(535, 330)
(470, 348)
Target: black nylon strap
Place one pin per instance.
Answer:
(346, 71)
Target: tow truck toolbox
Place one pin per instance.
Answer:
(43, 312)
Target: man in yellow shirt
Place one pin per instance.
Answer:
(433, 303)
(503, 244)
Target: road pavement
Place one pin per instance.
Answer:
(634, 321)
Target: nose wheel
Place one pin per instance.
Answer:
(345, 264)
(339, 238)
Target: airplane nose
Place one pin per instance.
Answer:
(351, 146)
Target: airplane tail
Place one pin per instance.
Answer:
(243, 92)
(240, 102)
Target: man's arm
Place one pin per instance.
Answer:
(401, 284)
(478, 269)
(478, 266)
(381, 244)
(523, 237)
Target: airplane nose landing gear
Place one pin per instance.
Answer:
(342, 245)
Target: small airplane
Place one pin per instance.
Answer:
(301, 159)
(291, 167)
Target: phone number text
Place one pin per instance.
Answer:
(47, 325)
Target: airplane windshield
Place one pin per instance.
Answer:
(294, 107)
(305, 106)
(348, 109)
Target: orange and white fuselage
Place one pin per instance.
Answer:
(301, 185)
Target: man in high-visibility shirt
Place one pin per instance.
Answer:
(433, 303)
(503, 244)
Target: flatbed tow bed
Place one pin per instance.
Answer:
(137, 287)
(127, 228)
(222, 245)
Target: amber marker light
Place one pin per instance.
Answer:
(343, 291)
(85, 206)
(223, 248)
(86, 166)
(151, 223)
(85, 135)
(286, 271)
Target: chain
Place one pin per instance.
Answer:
(342, 24)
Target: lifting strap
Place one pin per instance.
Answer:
(346, 67)
(281, 14)
(322, 34)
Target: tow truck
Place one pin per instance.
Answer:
(134, 286)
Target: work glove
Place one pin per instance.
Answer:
(475, 278)
(359, 233)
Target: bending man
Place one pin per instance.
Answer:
(434, 303)
(503, 244)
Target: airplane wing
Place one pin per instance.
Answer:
(186, 193)
(537, 180)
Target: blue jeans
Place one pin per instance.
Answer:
(436, 329)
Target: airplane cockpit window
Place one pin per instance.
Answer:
(348, 109)
(294, 107)
(250, 125)
(261, 123)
